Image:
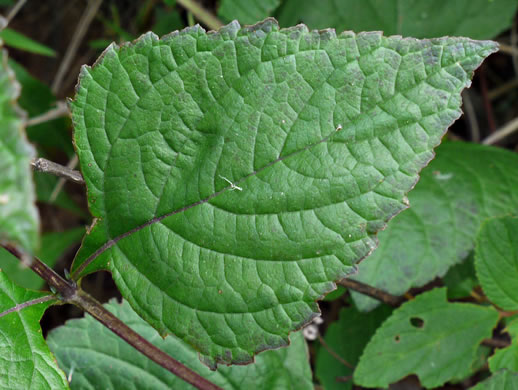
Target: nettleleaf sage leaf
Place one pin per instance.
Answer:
(236, 175)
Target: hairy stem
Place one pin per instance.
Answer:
(69, 292)
(201, 14)
(47, 166)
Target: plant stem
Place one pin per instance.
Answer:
(47, 166)
(372, 292)
(69, 292)
(82, 27)
(13, 11)
(201, 14)
(60, 110)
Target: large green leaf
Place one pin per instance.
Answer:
(19, 222)
(96, 358)
(429, 337)
(478, 19)
(502, 380)
(246, 11)
(346, 337)
(53, 245)
(26, 362)
(462, 186)
(236, 175)
(496, 261)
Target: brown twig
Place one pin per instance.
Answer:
(200, 13)
(60, 110)
(43, 165)
(333, 353)
(485, 98)
(496, 343)
(372, 292)
(68, 292)
(13, 11)
(82, 27)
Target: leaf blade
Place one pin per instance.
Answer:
(297, 166)
(423, 337)
(26, 360)
(91, 354)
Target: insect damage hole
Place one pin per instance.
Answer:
(416, 322)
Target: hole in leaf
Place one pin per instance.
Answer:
(416, 322)
(396, 338)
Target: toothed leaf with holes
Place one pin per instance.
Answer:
(19, 221)
(95, 358)
(26, 362)
(429, 337)
(235, 175)
(465, 184)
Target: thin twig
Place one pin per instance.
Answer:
(82, 27)
(514, 44)
(372, 292)
(333, 353)
(508, 129)
(344, 379)
(200, 13)
(496, 343)
(12, 13)
(43, 165)
(471, 115)
(68, 292)
(504, 88)
(507, 49)
(32, 302)
(60, 110)
(485, 99)
(61, 182)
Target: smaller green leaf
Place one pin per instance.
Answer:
(335, 294)
(507, 358)
(95, 358)
(496, 261)
(19, 41)
(461, 279)
(347, 337)
(246, 11)
(52, 247)
(166, 21)
(502, 380)
(26, 362)
(429, 337)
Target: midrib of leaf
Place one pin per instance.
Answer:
(230, 187)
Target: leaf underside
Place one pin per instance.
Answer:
(235, 175)
(19, 222)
